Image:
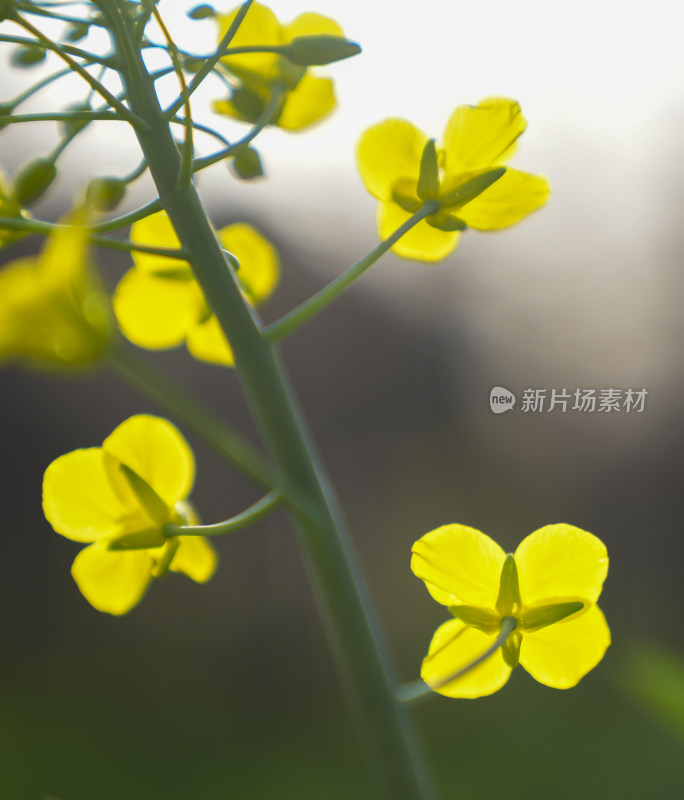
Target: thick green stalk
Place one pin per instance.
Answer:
(351, 622)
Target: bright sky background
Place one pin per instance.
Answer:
(601, 84)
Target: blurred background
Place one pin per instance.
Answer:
(229, 688)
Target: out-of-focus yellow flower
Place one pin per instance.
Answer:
(119, 497)
(404, 169)
(549, 587)
(53, 310)
(159, 304)
(307, 99)
(8, 208)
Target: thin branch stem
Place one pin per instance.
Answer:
(325, 296)
(210, 62)
(257, 511)
(48, 44)
(41, 38)
(123, 245)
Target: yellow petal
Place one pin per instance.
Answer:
(195, 558)
(259, 27)
(113, 582)
(311, 100)
(562, 654)
(482, 136)
(156, 231)
(388, 152)
(157, 312)
(422, 242)
(310, 24)
(79, 499)
(515, 195)
(259, 264)
(155, 449)
(207, 342)
(460, 566)
(453, 647)
(561, 562)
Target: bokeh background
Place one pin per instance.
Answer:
(229, 689)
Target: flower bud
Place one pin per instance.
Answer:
(247, 164)
(27, 56)
(77, 31)
(8, 9)
(33, 180)
(311, 51)
(105, 194)
(202, 12)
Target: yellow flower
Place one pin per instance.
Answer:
(119, 497)
(307, 98)
(8, 208)
(53, 310)
(159, 304)
(549, 587)
(465, 177)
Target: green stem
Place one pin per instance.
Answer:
(122, 245)
(199, 418)
(257, 511)
(417, 690)
(66, 116)
(30, 8)
(47, 44)
(351, 620)
(325, 296)
(210, 62)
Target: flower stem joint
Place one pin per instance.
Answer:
(536, 607)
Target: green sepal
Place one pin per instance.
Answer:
(203, 11)
(162, 566)
(155, 508)
(138, 540)
(444, 221)
(508, 602)
(510, 650)
(77, 31)
(28, 56)
(481, 618)
(247, 164)
(428, 179)
(408, 201)
(313, 51)
(541, 617)
(471, 188)
(33, 180)
(105, 194)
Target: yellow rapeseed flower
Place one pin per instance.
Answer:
(159, 304)
(403, 169)
(307, 98)
(53, 310)
(118, 498)
(549, 587)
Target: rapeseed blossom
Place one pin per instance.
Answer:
(118, 498)
(465, 177)
(53, 310)
(549, 587)
(159, 304)
(307, 98)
